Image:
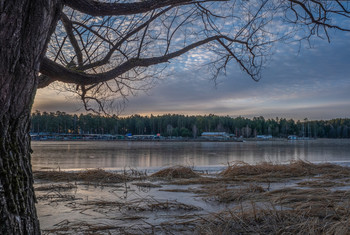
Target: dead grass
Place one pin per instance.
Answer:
(269, 172)
(197, 180)
(176, 190)
(147, 185)
(93, 176)
(55, 197)
(255, 220)
(310, 205)
(66, 227)
(100, 203)
(57, 187)
(165, 206)
(298, 198)
(177, 172)
(136, 205)
(226, 194)
(320, 184)
(240, 171)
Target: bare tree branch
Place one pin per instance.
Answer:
(97, 8)
(59, 73)
(121, 41)
(69, 29)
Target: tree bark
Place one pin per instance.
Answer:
(25, 29)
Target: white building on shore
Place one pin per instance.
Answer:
(215, 135)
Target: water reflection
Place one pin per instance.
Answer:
(119, 155)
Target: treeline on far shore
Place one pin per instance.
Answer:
(186, 126)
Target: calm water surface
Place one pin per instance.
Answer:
(75, 155)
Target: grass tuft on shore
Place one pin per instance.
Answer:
(255, 220)
(177, 172)
(95, 175)
(269, 172)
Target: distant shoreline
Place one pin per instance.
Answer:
(159, 140)
(180, 140)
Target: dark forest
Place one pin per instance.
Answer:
(187, 126)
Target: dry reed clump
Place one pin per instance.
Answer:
(224, 194)
(138, 205)
(273, 221)
(332, 171)
(174, 190)
(267, 172)
(318, 203)
(197, 180)
(177, 172)
(142, 227)
(99, 203)
(96, 175)
(294, 197)
(154, 205)
(54, 176)
(146, 185)
(67, 227)
(320, 184)
(102, 176)
(56, 187)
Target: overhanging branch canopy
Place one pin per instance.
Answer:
(103, 48)
(97, 8)
(59, 73)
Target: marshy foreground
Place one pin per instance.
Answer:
(296, 198)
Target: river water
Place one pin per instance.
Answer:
(118, 155)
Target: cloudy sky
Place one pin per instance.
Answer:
(312, 83)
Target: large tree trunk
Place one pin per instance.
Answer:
(25, 29)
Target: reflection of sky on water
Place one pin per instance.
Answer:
(141, 155)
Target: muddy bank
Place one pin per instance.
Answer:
(299, 197)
